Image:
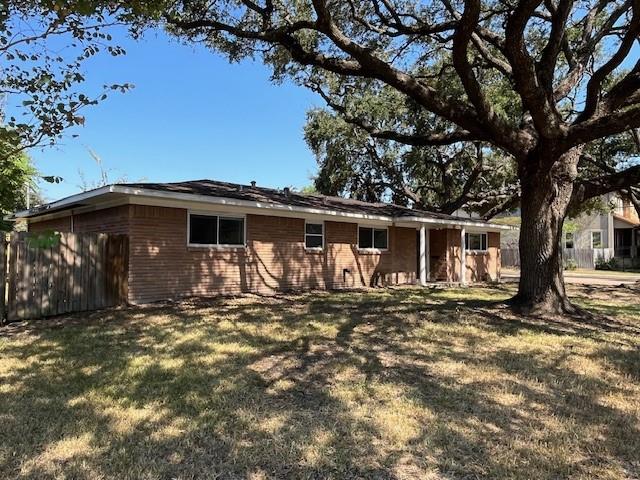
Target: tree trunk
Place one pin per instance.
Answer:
(545, 197)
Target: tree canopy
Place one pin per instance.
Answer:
(43, 47)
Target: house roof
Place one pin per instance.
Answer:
(622, 218)
(265, 197)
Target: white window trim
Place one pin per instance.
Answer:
(372, 249)
(601, 238)
(486, 242)
(313, 249)
(216, 246)
(573, 240)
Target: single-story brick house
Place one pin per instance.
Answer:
(206, 237)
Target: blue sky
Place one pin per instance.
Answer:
(191, 115)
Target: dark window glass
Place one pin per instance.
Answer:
(365, 237)
(596, 239)
(313, 241)
(203, 229)
(314, 228)
(313, 235)
(380, 238)
(475, 241)
(231, 231)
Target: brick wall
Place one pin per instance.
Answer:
(163, 266)
(62, 224)
(113, 220)
(481, 266)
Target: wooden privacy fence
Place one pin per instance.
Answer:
(66, 273)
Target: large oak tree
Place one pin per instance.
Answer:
(560, 59)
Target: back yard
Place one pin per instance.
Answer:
(403, 383)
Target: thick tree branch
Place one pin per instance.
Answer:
(594, 86)
(461, 40)
(535, 99)
(613, 182)
(547, 65)
(455, 111)
(604, 126)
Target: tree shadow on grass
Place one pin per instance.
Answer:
(390, 384)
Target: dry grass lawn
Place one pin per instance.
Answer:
(393, 383)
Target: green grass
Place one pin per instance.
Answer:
(395, 383)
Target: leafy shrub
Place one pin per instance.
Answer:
(602, 264)
(570, 264)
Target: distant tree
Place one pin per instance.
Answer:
(16, 177)
(309, 189)
(443, 179)
(538, 81)
(104, 175)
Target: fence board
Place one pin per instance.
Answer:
(12, 253)
(81, 272)
(3, 278)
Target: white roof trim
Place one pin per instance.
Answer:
(143, 192)
(458, 223)
(78, 197)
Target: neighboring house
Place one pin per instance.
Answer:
(612, 233)
(206, 237)
(615, 233)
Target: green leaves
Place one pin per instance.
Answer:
(45, 45)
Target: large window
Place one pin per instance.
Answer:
(373, 238)
(314, 235)
(568, 240)
(596, 239)
(476, 242)
(216, 230)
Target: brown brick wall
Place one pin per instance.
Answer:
(62, 224)
(481, 267)
(163, 266)
(113, 220)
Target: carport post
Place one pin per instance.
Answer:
(463, 257)
(423, 255)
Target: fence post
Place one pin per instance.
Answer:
(3, 278)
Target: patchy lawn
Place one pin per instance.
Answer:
(403, 383)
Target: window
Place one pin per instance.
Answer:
(476, 242)
(568, 240)
(596, 239)
(373, 238)
(216, 230)
(314, 235)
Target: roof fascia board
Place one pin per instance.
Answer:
(457, 223)
(78, 197)
(79, 210)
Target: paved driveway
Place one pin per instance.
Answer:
(584, 277)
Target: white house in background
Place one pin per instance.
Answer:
(612, 234)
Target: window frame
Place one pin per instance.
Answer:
(310, 222)
(218, 216)
(601, 232)
(373, 248)
(573, 240)
(475, 250)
